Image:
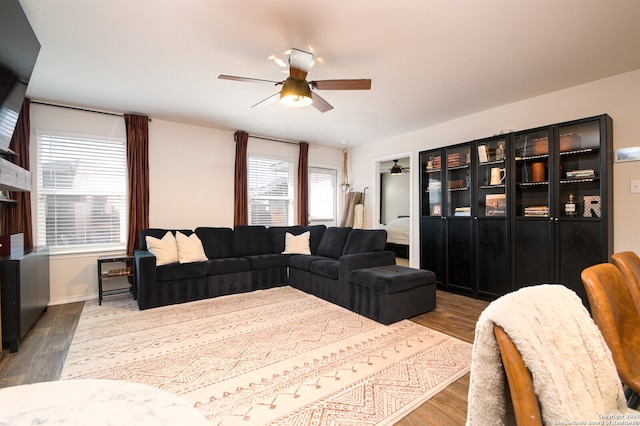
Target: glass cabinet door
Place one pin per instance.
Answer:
(579, 169)
(491, 181)
(459, 181)
(532, 169)
(432, 183)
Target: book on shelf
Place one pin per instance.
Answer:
(581, 174)
(536, 211)
(456, 159)
(462, 211)
(483, 153)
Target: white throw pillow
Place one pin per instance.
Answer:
(165, 250)
(297, 244)
(190, 248)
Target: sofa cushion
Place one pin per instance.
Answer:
(158, 233)
(303, 262)
(190, 248)
(227, 266)
(277, 235)
(365, 241)
(391, 278)
(217, 242)
(333, 242)
(164, 249)
(181, 271)
(326, 268)
(317, 232)
(251, 241)
(267, 261)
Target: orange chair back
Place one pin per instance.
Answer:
(629, 265)
(525, 402)
(614, 311)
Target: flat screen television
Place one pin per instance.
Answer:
(19, 48)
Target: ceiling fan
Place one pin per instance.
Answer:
(296, 90)
(397, 169)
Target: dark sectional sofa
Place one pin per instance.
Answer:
(249, 258)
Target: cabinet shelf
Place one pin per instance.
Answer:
(579, 151)
(464, 166)
(457, 189)
(491, 163)
(502, 185)
(532, 184)
(532, 157)
(565, 181)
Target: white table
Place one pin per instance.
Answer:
(94, 402)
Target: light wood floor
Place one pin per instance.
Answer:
(44, 349)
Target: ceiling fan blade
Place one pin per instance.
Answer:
(319, 103)
(247, 79)
(268, 101)
(356, 84)
(299, 63)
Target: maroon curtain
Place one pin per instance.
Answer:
(241, 184)
(138, 166)
(16, 218)
(303, 184)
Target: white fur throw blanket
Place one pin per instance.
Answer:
(574, 376)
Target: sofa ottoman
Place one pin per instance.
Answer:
(391, 293)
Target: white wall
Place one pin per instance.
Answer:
(191, 181)
(618, 96)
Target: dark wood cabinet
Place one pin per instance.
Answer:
(24, 283)
(446, 225)
(532, 207)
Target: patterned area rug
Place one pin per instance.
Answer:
(276, 357)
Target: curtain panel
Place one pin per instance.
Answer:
(303, 184)
(16, 218)
(241, 184)
(138, 167)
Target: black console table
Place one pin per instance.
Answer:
(127, 271)
(24, 286)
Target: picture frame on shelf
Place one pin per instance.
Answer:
(496, 205)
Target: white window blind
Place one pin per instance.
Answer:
(271, 192)
(322, 194)
(82, 192)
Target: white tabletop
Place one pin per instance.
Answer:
(94, 402)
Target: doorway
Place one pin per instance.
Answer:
(394, 210)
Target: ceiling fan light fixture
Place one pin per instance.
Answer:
(396, 169)
(295, 93)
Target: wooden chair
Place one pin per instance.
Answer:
(614, 311)
(524, 400)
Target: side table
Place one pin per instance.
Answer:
(127, 271)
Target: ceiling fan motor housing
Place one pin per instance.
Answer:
(295, 93)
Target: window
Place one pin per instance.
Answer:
(82, 185)
(271, 192)
(322, 195)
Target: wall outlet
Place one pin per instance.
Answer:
(635, 187)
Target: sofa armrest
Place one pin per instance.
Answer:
(351, 262)
(145, 263)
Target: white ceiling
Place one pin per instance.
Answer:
(430, 61)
